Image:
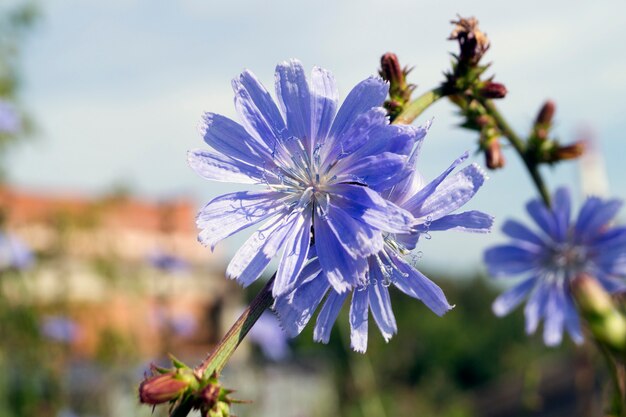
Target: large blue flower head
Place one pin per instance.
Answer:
(321, 170)
(431, 205)
(562, 250)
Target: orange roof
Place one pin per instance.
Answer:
(21, 208)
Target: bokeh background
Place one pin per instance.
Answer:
(109, 96)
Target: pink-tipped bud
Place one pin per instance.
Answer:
(494, 158)
(163, 388)
(571, 151)
(606, 322)
(390, 69)
(493, 90)
(546, 113)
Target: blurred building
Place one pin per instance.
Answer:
(97, 264)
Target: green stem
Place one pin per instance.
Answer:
(216, 360)
(619, 396)
(417, 106)
(520, 148)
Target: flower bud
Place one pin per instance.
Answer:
(606, 323)
(494, 158)
(546, 113)
(399, 90)
(163, 388)
(493, 90)
(390, 69)
(571, 151)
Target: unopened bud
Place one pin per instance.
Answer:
(390, 68)
(571, 151)
(163, 388)
(494, 158)
(399, 90)
(546, 113)
(606, 323)
(472, 42)
(493, 90)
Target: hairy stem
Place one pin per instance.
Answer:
(520, 148)
(216, 360)
(417, 106)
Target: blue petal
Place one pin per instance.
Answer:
(594, 215)
(452, 193)
(327, 316)
(507, 301)
(292, 90)
(555, 309)
(414, 203)
(378, 172)
(469, 221)
(410, 185)
(380, 303)
(324, 99)
(572, 321)
(510, 260)
(542, 216)
(296, 252)
(358, 321)
(356, 237)
(368, 206)
(256, 253)
(520, 232)
(231, 139)
(296, 309)
(369, 93)
(610, 284)
(341, 270)
(415, 284)
(535, 307)
(218, 167)
(370, 126)
(257, 109)
(400, 139)
(562, 209)
(230, 213)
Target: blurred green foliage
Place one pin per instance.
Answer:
(434, 365)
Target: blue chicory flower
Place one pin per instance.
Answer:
(269, 337)
(561, 250)
(10, 121)
(321, 169)
(14, 254)
(431, 206)
(60, 329)
(167, 262)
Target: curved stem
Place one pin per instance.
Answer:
(216, 360)
(417, 106)
(520, 147)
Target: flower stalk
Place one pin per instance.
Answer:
(214, 363)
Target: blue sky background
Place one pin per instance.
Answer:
(117, 88)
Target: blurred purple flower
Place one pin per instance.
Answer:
(183, 324)
(431, 206)
(14, 254)
(561, 250)
(60, 329)
(321, 167)
(167, 262)
(270, 337)
(10, 121)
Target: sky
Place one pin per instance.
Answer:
(117, 88)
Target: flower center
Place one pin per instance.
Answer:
(565, 260)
